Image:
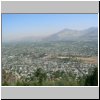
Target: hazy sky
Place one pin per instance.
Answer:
(17, 26)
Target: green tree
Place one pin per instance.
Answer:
(41, 76)
(92, 79)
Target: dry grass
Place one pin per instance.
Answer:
(92, 60)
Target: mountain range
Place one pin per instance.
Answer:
(90, 34)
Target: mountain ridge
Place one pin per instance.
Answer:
(70, 34)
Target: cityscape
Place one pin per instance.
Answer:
(68, 57)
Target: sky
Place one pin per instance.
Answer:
(18, 26)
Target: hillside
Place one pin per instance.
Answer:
(89, 34)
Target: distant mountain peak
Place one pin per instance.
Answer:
(71, 34)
